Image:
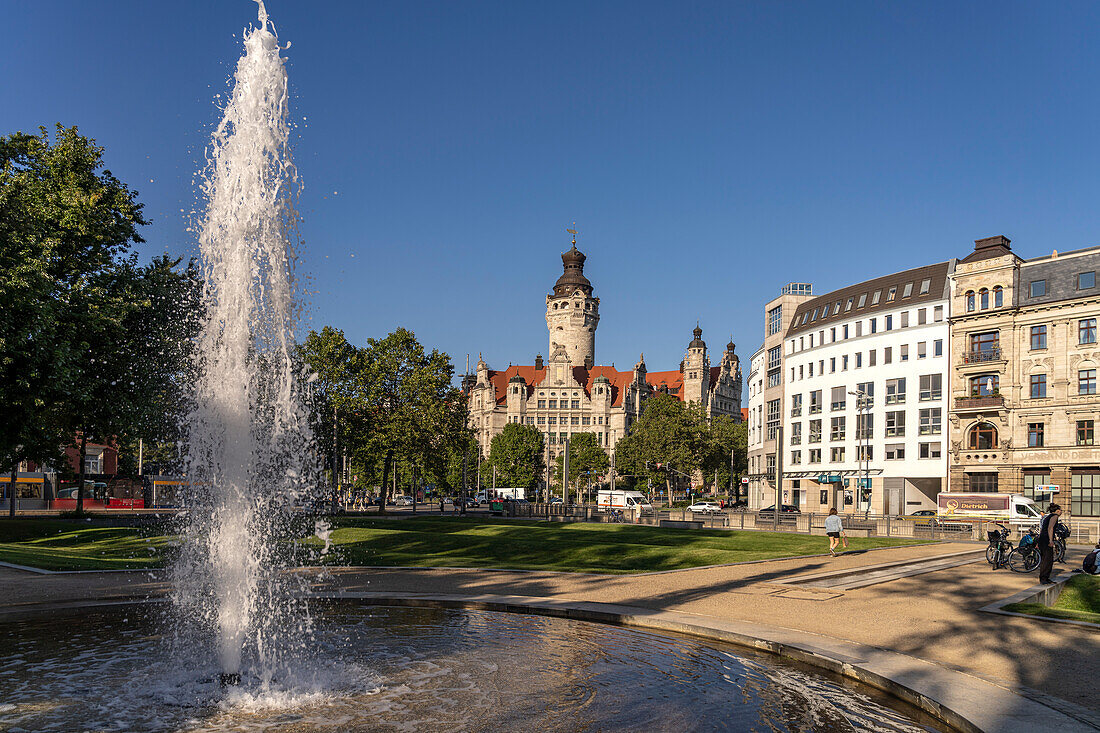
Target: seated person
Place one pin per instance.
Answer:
(1089, 565)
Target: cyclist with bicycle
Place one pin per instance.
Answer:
(1045, 543)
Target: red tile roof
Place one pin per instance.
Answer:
(744, 414)
(532, 377)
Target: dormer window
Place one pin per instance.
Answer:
(862, 300)
(875, 298)
(925, 285)
(849, 306)
(891, 294)
(908, 290)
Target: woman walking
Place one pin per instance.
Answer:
(833, 528)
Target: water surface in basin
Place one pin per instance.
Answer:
(409, 669)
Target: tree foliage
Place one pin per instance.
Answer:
(586, 457)
(517, 455)
(89, 341)
(725, 445)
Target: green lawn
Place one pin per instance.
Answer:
(1079, 601)
(74, 545)
(436, 542)
(576, 547)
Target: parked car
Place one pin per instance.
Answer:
(924, 513)
(404, 501)
(787, 509)
(555, 500)
(472, 503)
(705, 507)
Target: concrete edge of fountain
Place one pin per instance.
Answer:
(962, 701)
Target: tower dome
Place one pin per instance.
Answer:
(697, 342)
(572, 276)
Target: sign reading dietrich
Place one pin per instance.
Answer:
(973, 503)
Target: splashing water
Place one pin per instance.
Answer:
(248, 436)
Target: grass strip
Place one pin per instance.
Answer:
(67, 545)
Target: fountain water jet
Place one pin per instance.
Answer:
(248, 436)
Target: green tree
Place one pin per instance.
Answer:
(666, 439)
(516, 454)
(725, 445)
(64, 223)
(586, 458)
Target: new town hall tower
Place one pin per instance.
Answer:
(568, 393)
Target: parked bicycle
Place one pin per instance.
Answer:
(1061, 534)
(1024, 558)
(999, 546)
(616, 516)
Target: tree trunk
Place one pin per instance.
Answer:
(80, 474)
(11, 489)
(385, 494)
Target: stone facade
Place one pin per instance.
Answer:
(1024, 403)
(569, 393)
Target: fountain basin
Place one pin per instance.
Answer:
(424, 669)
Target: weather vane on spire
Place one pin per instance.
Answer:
(573, 231)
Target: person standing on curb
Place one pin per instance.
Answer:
(1046, 543)
(833, 528)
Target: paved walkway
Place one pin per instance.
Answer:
(932, 616)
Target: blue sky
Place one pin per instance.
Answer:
(709, 153)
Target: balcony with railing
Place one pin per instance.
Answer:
(980, 402)
(982, 356)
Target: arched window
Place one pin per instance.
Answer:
(998, 297)
(970, 301)
(984, 385)
(983, 436)
(983, 294)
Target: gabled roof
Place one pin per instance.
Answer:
(673, 380)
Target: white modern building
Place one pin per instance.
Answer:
(866, 384)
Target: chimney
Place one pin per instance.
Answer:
(538, 362)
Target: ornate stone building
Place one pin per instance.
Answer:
(1024, 374)
(568, 393)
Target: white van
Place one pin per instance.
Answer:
(1014, 508)
(628, 501)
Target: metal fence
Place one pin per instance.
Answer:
(1083, 531)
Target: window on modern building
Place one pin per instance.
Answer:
(820, 366)
(922, 349)
(889, 323)
(813, 317)
(1086, 381)
(848, 307)
(774, 419)
(931, 387)
(982, 482)
(775, 356)
(836, 455)
(844, 363)
(874, 325)
(859, 359)
(775, 378)
(984, 385)
(838, 398)
(895, 391)
(931, 421)
(554, 403)
(1038, 386)
(937, 347)
(893, 292)
(998, 297)
(887, 355)
(796, 405)
(1086, 280)
(982, 436)
(871, 358)
(811, 369)
(969, 301)
(775, 320)
(903, 352)
(1035, 435)
(815, 455)
(862, 300)
(937, 313)
(905, 319)
(1038, 337)
(769, 465)
(868, 395)
(836, 429)
(792, 374)
(821, 336)
(815, 432)
(928, 450)
(845, 331)
(1086, 331)
(865, 426)
(832, 364)
(922, 316)
(907, 291)
(925, 285)
(1085, 432)
(796, 433)
(864, 452)
(1085, 492)
(895, 424)
(895, 451)
(796, 457)
(1037, 288)
(832, 334)
(859, 328)
(875, 298)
